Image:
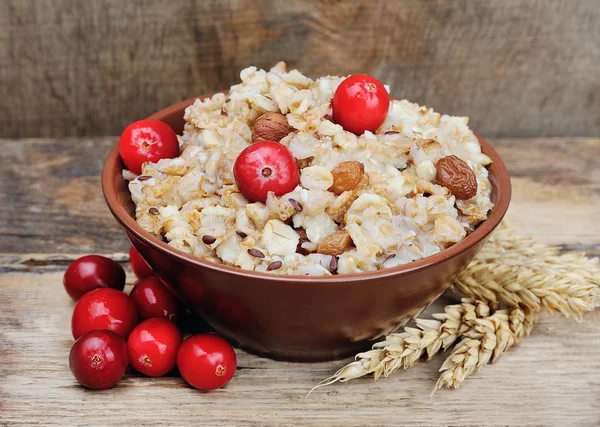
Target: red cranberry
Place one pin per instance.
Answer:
(153, 346)
(263, 167)
(153, 299)
(360, 103)
(147, 141)
(206, 361)
(98, 359)
(91, 272)
(104, 309)
(139, 266)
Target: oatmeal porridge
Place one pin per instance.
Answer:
(362, 202)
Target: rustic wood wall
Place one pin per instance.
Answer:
(517, 67)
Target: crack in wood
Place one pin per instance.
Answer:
(591, 250)
(45, 263)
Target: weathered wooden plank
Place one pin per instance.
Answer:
(556, 189)
(517, 67)
(51, 203)
(45, 263)
(551, 379)
(51, 199)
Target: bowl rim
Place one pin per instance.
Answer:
(114, 165)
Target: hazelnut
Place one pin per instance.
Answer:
(270, 127)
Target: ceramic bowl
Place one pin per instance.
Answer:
(300, 318)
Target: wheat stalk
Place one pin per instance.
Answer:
(485, 343)
(510, 271)
(404, 349)
(518, 272)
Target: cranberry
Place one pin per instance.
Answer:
(206, 361)
(139, 266)
(91, 272)
(147, 141)
(153, 346)
(360, 103)
(153, 299)
(98, 359)
(104, 309)
(263, 167)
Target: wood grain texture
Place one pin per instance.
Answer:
(516, 67)
(52, 207)
(551, 379)
(556, 189)
(51, 199)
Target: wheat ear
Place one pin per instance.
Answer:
(485, 343)
(404, 349)
(510, 270)
(518, 272)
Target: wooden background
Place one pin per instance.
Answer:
(74, 71)
(517, 67)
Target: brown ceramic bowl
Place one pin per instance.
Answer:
(300, 318)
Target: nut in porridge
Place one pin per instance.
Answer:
(270, 127)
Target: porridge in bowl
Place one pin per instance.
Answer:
(344, 202)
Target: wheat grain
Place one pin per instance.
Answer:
(518, 272)
(511, 271)
(404, 349)
(484, 343)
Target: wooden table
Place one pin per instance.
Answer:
(52, 211)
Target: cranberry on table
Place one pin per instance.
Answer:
(139, 266)
(91, 272)
(104, 309)
(153, 299)
(265, 166)
(153, 346)
(147, 141)
(206, 361)
(98, 359)
(360, 103)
